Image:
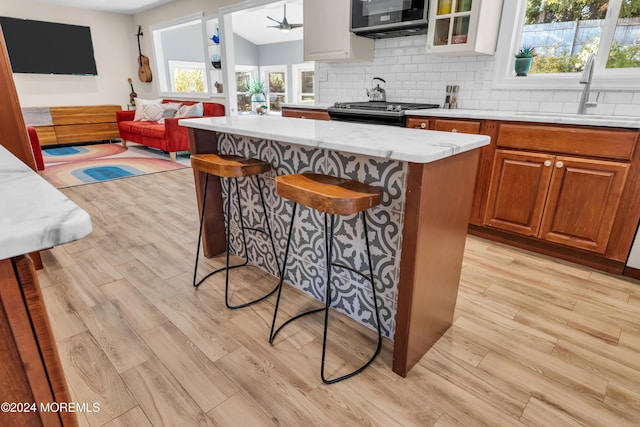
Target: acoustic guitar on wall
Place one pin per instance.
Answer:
(144, 72)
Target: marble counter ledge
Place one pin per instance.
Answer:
(314, 106)
(391, 142)
(33, 214)
(631, 122)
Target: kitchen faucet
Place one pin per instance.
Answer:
(587, 76)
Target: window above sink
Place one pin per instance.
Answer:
(609, 29)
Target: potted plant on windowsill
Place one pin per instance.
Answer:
(524, 57)
(258, 97)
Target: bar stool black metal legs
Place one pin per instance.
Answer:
(231, 168)
(331, 196)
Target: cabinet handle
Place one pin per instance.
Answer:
(303, 117)
(559, 164)
(454, 130)
(423, 125)
(547, 162)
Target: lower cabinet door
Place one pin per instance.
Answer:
(582, 203)
(517, 192)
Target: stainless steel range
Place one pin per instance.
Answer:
(376, 112)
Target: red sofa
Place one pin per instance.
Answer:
(168, 136)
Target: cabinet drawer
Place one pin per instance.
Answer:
(461, 126)
(613, 144)
(305, 114)
(417, 123)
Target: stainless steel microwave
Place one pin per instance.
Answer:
(389, 18)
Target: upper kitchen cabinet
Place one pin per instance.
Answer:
(463, 27)
(326, 33)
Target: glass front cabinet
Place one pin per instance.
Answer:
(214, 56)
(463, 26)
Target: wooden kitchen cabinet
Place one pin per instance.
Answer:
(326, 33)
(582, 202)
(485, 127)
(302, 113)
(561, 199)
(463, 27)
(518, 191)
(29, 361)
(417, 123)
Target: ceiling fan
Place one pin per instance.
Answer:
(283, 25)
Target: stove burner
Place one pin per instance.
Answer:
(378, 112)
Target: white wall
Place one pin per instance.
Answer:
(115, 48)
(414, 76)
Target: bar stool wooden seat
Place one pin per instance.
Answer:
(332, 196)
(231, 168)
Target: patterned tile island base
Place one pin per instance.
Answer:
(306, 268)
(418, 232)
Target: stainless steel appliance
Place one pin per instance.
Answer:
(377, 93)
(376, 112)
(389, 18)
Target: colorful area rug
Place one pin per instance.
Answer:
(78, 165)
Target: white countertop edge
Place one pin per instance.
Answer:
(315, 106)
(418, 146)
(630, 122)
(34, 215)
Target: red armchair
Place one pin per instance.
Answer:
(169, 136)
(35, 147)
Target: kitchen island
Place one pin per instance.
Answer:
(33, 216)
(417, 233)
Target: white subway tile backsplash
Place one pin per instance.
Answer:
(615, 97)
(528, 106)
(627, 110)
(412, 75)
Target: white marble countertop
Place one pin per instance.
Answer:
(307, 106)
(632, 122)
(33, 214)
(392, 142)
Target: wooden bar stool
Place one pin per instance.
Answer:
(232, 168)
(333, 196)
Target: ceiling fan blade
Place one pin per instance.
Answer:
(274, 20)
(296, 25)
(274, 26)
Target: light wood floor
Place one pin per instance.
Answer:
(535, 342)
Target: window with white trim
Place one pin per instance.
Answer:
(275, 78)
(187, 76)
(245, 74)
(564, 33)
(303, 82)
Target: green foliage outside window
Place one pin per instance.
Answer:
(189, 80)
(556, 60)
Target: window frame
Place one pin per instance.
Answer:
(511, 26)
(264, 74)
(191, 65)
(297, 70)
(254, 71)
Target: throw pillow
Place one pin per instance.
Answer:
(185, 111)
(140, 103)
(198, 110)
(170, 109)
(152, 112)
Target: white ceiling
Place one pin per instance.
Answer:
(118, 6)
(251, 24)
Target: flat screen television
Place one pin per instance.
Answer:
(40, 47)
